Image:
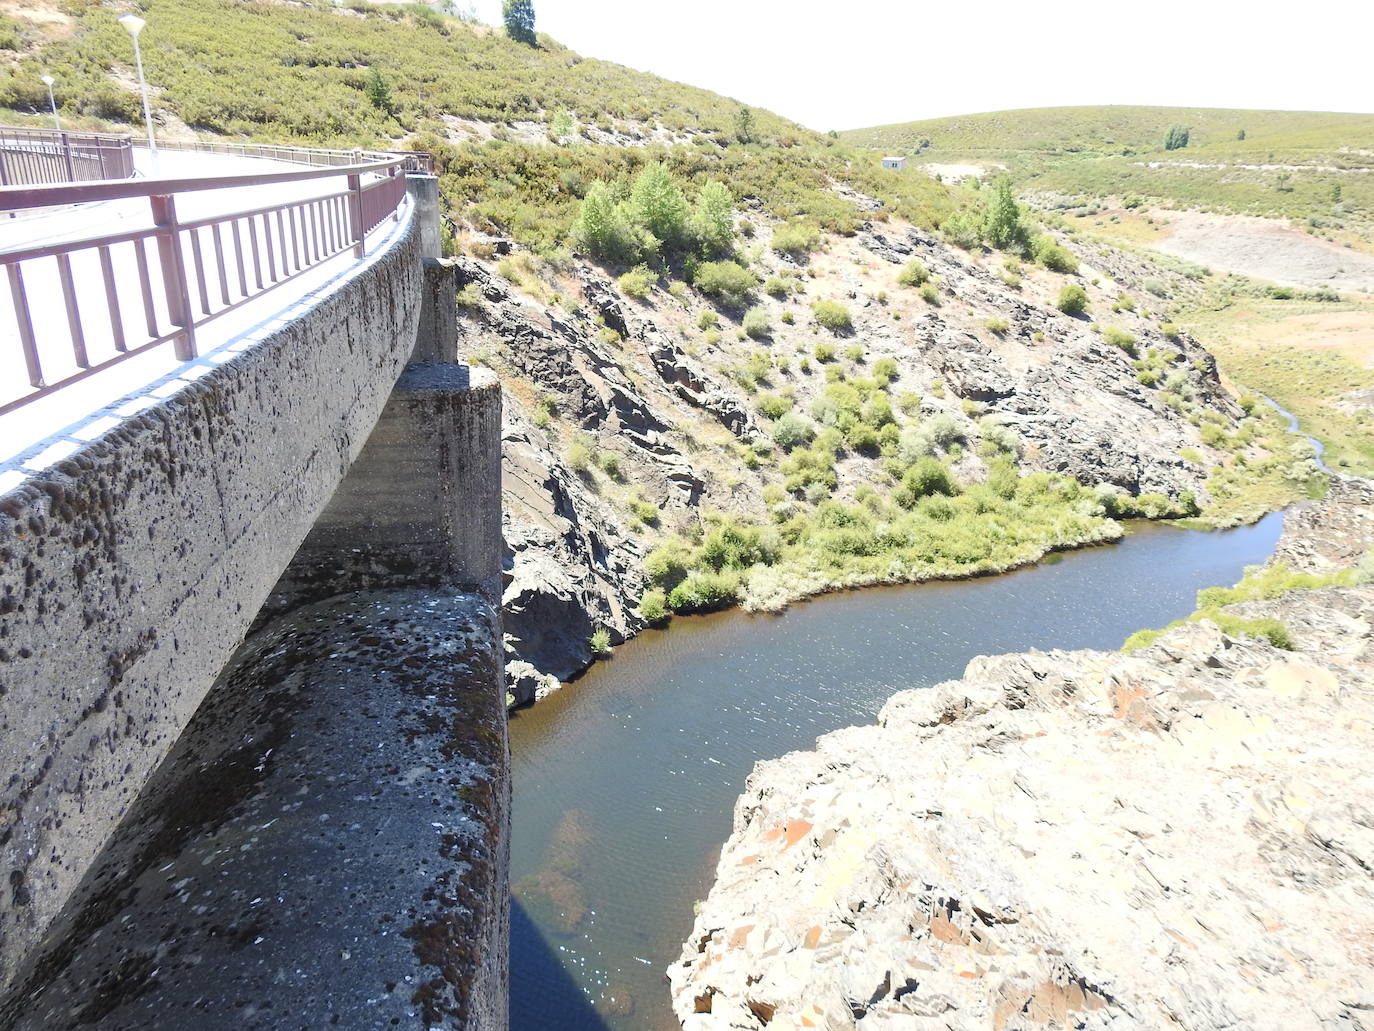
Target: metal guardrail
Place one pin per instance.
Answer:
(199, 270)
(416, 162)
(34, 156)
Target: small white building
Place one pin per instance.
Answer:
(897, 163)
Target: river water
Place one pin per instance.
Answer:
(625, 782)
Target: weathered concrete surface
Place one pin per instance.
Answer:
(326, 846)
(130, 571)
(422, 504)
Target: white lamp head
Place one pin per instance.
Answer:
(46, 80)
(133, 23)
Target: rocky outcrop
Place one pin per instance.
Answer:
(1180, 837)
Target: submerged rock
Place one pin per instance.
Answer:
(1180, 837)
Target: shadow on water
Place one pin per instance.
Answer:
(555, 991)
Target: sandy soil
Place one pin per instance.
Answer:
(1266, 249)
(955, 173)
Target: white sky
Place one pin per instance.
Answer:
(871, 62)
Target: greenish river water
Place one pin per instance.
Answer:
(625, 781)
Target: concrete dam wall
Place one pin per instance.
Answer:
(309, 826)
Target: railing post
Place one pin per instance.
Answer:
(355, 213)
(67, 158)
(174, 275)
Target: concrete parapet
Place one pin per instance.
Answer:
(424, 191)
(326, 846)
(130, 571)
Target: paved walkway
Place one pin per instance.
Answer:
(47, 429)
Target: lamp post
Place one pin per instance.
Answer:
(135, 24)
(48, 80)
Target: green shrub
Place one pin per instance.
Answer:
(653, 606)
(926, 476)
(726, 279)
(645, 511)
(600, 641)
(1054, 257)
(825, 352)
(1073, 300)
(580, 457)
(776, 286)
(963, 229)
(1120, 338)
(470, 297)
(884, 371)
(997, 325)
(1147, 377)
(708, 320)
(610, 462)
(1169, 330)
(1125, 302)
(637, 282)
(704, 592)
(832, 315)
(668, 564)
(930, 436)
(913, 274)
(774, 406)
(756, 322)
(930, 293)
(796, 238)
(793, 430)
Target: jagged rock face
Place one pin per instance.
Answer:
(664, 382)
(1182, 837)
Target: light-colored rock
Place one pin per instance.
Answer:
(1182, 837)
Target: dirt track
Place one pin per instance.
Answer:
(1266, 249)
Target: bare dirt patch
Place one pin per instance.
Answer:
(1350, 332)
(1265, 249)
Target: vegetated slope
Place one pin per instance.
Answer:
(299, 72)
(870, 408)
(739, 365)
(1078, 838)
(1120, 129)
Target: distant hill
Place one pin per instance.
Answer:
(1120, 129)
(300, 71)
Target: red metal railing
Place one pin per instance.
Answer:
(34, 156)
(198, 270)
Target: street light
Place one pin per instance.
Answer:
(48, 80)
(135, 24)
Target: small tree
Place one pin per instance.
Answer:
(604, 228)
(1176, 138)
(378, 92)
(659, 205)
(1335, 193)
(744, 125)
(519, 19)
(1240, 135)
(713, 220)
(1002, 225)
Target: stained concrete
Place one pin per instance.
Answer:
(130, 571)
(422, 504)
(326, 846)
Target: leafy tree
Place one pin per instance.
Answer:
(519, 19)
(562, 127)
(1240, 135)
(378, 92)
(1002, 225)
(744, 126)
(1176, 138)
(605, 229)
(713, 220)
(658, 204)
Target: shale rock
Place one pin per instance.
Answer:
(1181, 837)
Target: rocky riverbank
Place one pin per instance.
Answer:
(1179, 837)
(642, 422)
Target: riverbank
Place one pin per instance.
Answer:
(1074, 835)
(624, 785)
